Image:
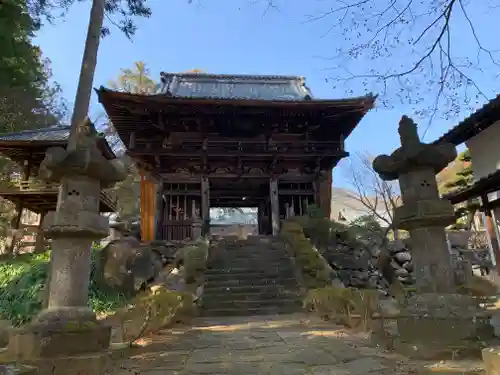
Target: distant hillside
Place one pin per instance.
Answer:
(345, 203)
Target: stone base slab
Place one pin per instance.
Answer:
(46, 341)
(491, 359)
(432, 338)
(431, 351)
(448, 326)
(88, 364)
(18, 370)
(474, 367)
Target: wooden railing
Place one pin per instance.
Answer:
(30, 185)
(247, 147)
(39, 186)
(176, 230)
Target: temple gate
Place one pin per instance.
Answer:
(231, 141)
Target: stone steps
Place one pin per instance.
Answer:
(216, 289)
(250, 304)
(250, 277)
(217, 269)
(236, 295)
(249, 312)
(268, 274)
(228, 283)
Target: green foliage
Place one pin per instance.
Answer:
(464, 176)
(309, 260)
(27, 100)
(366, 228)
(194, 258)
(119, 12)
(341, 303)
(22, 280)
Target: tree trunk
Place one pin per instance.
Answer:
(395, 232)
(89, 62)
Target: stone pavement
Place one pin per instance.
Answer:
(288, 344)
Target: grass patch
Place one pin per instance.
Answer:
(22, 280)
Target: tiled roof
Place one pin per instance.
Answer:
(480, 120)
(485, 185)
(222, 86)
(52, 134)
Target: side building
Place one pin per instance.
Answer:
(481, 134)
(24, 188)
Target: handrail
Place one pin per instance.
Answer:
(31, 185)
(247, 147)
(36, 185)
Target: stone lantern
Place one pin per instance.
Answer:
(436, 321)
(67, 327)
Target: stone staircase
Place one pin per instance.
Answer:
(250, 277)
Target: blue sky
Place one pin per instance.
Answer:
(233, 36)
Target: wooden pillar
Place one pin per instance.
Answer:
(14, 228)
(148, 200)
(323, 195)
(28, 163)
(275, 208)
(205, 205)
(159, 210)
(490, 229)
(40, 238)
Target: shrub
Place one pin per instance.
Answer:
(194, 258)
(22, 280)
(152, 311)
(313, 267)
(341, 303)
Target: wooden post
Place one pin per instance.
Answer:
(14, 228)
(275, 208)
(40, 238)
(159, 210)
(205, 205)
(28, 164)
(490, 229)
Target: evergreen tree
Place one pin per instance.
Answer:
(462, 179)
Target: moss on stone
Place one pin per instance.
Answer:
(308, 259)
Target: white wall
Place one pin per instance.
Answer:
(485, 157)
(485, 153)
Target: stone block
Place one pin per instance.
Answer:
(88, 364)
(42, 341)
(469, 367)
(431, 351)
(424, 213)
(422, 329)
(5, 327)
(491, 359)
(440, 332)
(17, 370)
(434, 338)
(75, 223)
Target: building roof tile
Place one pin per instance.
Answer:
(52, 134)
(224, 86)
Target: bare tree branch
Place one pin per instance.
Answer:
(379, 197)
(413, 42)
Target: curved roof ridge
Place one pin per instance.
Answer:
(270, 77)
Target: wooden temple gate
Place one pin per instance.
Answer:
(262, 141)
